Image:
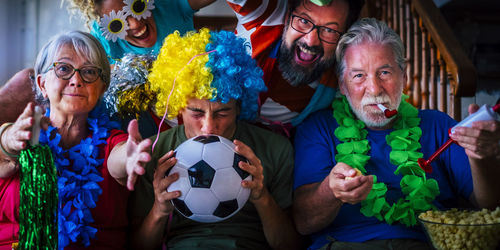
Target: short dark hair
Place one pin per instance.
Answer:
(354, 9)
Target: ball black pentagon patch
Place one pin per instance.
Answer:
(181, 206)
(206, 139)
(201, 175)
(242, 173)
(226, 208)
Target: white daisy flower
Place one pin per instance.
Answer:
(114, 26)
(139, 9)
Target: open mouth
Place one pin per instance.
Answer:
(305, 56)
(142, 33)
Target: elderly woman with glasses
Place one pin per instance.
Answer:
(71, 74)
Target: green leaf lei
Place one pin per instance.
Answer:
(404, 140)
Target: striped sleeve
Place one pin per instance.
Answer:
(260, 22)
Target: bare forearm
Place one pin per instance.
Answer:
(277, 224)
(116, 163)
(485, 176)
(151, 231)
(314, 207)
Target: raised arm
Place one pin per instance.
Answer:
(149, 231)
(482, 145)
(262, 24)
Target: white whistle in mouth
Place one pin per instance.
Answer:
(36, 127)
(388, 113)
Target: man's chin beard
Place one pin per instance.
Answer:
(295, 74)
(379, 122)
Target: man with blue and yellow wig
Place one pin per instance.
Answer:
(208, 79)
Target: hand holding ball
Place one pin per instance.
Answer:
(209, 179)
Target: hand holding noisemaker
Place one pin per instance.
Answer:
(485, 113)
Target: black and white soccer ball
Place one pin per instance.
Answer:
(209, 179)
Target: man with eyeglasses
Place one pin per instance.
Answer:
(294, 43)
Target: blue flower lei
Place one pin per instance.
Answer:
(78, 177)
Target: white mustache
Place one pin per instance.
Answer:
(369, 100)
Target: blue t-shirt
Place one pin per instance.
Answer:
(169, 16)
(315, 156)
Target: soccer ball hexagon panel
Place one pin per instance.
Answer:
(209, 179)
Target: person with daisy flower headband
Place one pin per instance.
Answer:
(136, 26)
(358, 182)
(122, 26)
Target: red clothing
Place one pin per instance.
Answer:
(110, 214)
(9, 211)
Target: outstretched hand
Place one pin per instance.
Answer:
(138, 154)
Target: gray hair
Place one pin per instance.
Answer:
(369, 30)
(84, 44)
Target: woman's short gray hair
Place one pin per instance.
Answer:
(84, 44)
(369, 30)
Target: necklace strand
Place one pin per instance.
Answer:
(419, 191)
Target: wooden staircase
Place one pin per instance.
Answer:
(439, 72)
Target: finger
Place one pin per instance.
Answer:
(165, 166)
(132, 178)
(168, 196)
(476, 140)
(342, 169)
(143, 158)
(144, 146)
(254, 171)
(487, 126)
(21, 135)
(242, 149)
(473, 108)
(25, 123)
(166, 181)
(357, 194)
(166, 157)
(28, 111)
(139, 170)
(133, 131)
(354, 183)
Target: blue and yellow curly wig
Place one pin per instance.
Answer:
(226, 72)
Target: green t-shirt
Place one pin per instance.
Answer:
(244, 229)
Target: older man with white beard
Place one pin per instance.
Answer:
(357, 181)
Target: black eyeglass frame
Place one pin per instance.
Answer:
(67, 77)
(317, 27)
